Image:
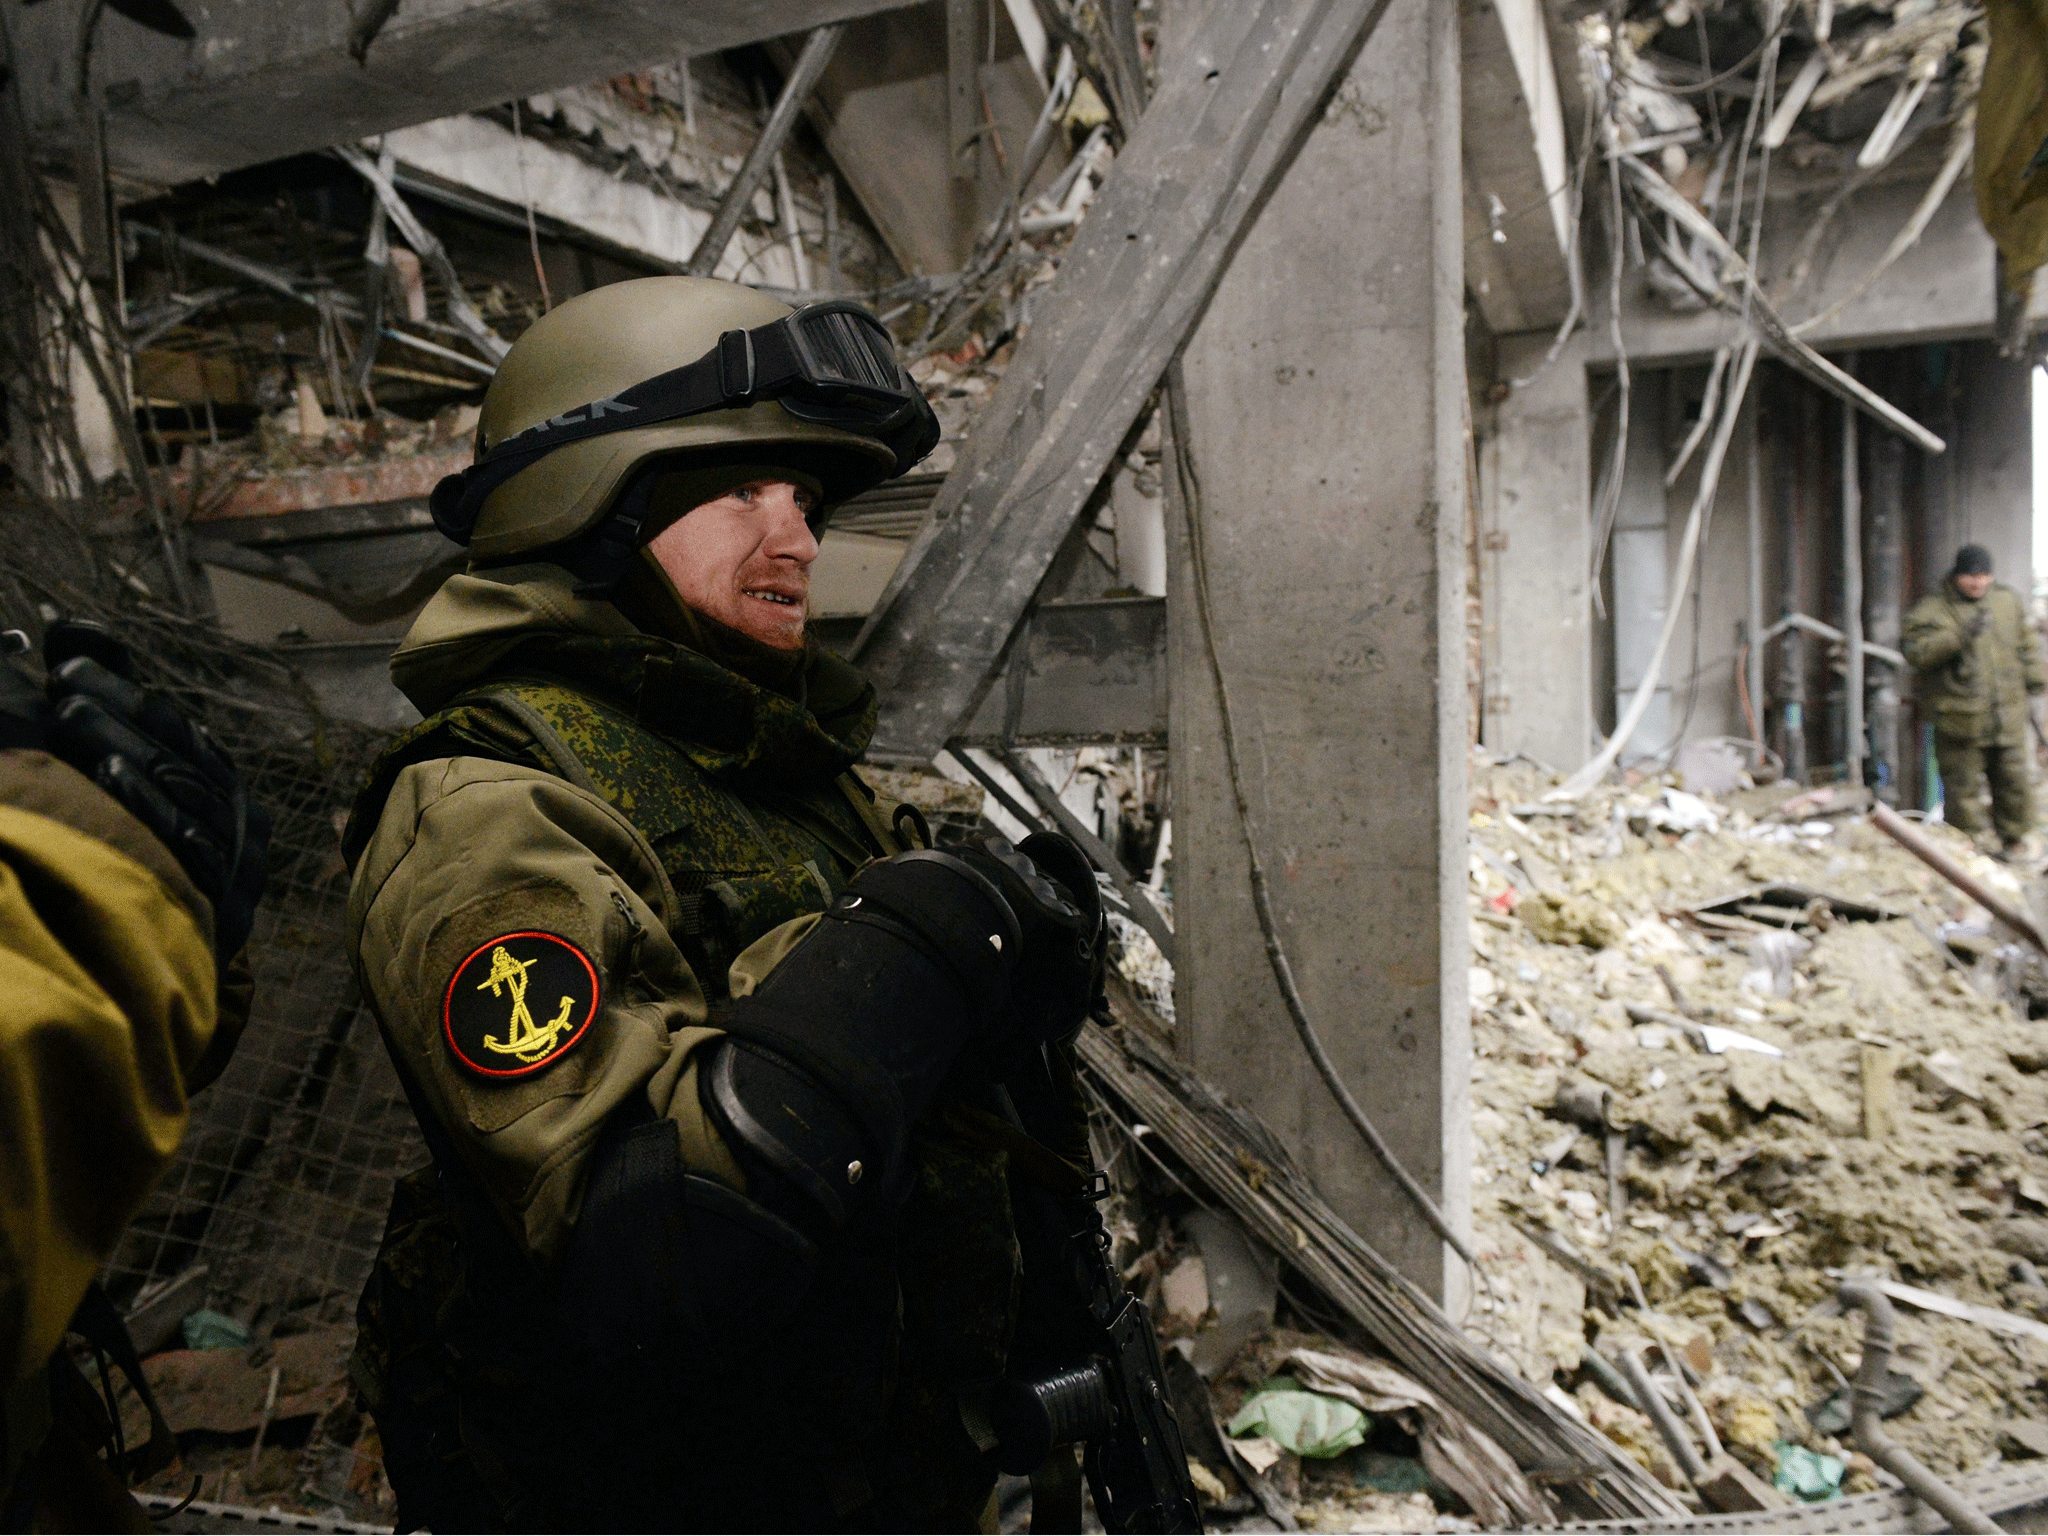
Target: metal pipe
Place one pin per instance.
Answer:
(1607, 1379)
(1852, 596)
(1909, 837)
(1792, 656)
(1959, 1512)
(1653, 1403)
(803, 78)
(1884, 598)
(1814, 626)
(1753, 661)
(1852, 592)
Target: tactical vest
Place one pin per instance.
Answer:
(869, 1433)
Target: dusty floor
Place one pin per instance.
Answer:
(1753, 1181)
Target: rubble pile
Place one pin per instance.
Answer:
(298, 438)
(1727, 1051)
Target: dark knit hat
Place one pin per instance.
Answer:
(1972, 560)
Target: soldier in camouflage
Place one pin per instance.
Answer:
(1979, 664)
(731, 1082)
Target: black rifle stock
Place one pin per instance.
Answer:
(1138, 1469)
(1113, 1402)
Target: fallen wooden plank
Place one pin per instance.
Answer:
(1795, 899)
(1233, 101)
(1242, 1168)
(1916, 842)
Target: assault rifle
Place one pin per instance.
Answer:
(1113, 1402)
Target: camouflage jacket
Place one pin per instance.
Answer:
(1974, 689)
(631, 833)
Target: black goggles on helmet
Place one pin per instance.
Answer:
(832, 364)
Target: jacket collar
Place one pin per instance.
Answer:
(526, 621)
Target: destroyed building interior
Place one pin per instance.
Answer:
(1429, 497)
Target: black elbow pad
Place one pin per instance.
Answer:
(666, 1265)
(826, 1067)
(814, 1089)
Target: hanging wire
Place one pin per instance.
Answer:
(1771, 38)
(1759, 111)
(1186, 477)
(540, 271)
(1609, 505)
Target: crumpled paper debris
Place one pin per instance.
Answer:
(1312, 1424)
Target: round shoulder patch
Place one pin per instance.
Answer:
(519, 1004)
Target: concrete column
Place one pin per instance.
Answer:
(1534, 509)
(1994, 467)
(1642, 564)
(1327, 396)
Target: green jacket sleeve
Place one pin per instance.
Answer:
(467, 852)
(1932, 635)
(2030, 652)
(107, 976)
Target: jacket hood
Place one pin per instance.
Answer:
(525, 621)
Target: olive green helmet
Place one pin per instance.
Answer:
(573, 376)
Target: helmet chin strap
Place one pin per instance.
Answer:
(600, 559)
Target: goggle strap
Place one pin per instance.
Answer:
(736, 364)
(690, 390)
(744, 366)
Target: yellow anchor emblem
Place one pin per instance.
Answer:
(526, 1040)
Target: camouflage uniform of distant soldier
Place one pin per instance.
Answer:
(708, 1050)
(1979, 661)
(130, 859)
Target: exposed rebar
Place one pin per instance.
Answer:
(810, 64)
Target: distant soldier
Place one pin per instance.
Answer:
(1979, 662)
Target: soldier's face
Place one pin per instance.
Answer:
(1974, 587)
(745, 560)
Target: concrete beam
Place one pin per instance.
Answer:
(387, 481)
(264, 80)
(1077, 673)
(1228, 116)
(484, 156)
(885, 110)
(1517, 167)
(1336, 562)
(1939, 290)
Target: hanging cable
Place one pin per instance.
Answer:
(540, 272)
(1262, 896)
(1609, 505)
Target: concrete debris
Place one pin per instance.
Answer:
(2024, 1439)
(1230, 1226)
(274, 1423)
(1819, 1062)
(1455, 1453)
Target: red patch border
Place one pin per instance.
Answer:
(448, 1008)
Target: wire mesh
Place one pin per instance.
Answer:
(283, 1180)
(282, 1183)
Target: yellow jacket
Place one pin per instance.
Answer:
(108, 1004)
